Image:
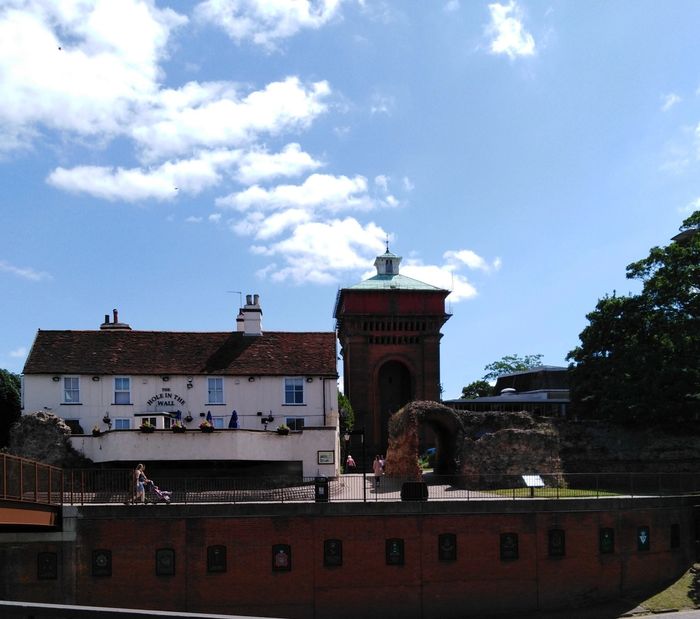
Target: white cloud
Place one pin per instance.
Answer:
(19, 353)
(408, 184)
(24, 272)
(259, 165)
(266, 22)
(443, 276)
(451, 6)
(318, 192)
(471, 260)
(84, 67)
(214, 114)
(669, 100)
(93, 69)
(381, 104)
(164, 182)
(382, 181)
(317, 252)
(192, 219)
(268, 226)
(691, 207)
(506, 32)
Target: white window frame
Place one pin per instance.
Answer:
(124, 422)
(73, 389)
(296, 424)
(293, 387)
(122, 391)
(214, 391)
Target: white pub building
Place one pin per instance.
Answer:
(127, 394)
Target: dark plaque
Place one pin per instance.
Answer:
(394, 551)
(509, 546)
(643, 539)
(165, 562)
(606, 541)
(557, 543)
(332, 553)
(101, 562)
(47, 566)
(216, 558)
(675, 536)
(281, 558)
(447, 547)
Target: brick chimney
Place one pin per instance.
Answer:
(116, 325)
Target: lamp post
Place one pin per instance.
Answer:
(361, 434)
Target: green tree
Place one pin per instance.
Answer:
(638, 360)
(347, 415)
(477, 389)
(10, 404)
(511, 363)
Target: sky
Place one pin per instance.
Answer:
(165, 158)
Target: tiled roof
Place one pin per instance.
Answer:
(189, 353)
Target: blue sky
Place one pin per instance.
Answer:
(155, 156)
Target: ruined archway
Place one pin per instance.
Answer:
(473, 445)
(404, 429)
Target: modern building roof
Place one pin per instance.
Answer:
(189, 353)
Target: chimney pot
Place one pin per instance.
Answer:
(249, 299)
(116, 316)
(256, 300)
(106, 322)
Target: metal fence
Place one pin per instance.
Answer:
(29, 481)
(116, 486)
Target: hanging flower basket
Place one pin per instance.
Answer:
(188, 418)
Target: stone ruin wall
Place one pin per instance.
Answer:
(508, 443)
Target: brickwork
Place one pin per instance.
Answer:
(478, 581)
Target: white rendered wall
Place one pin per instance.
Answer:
(164, 445)
(153, 394)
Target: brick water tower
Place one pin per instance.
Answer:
(389, 332)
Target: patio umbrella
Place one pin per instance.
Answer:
(178, 415)
(233, 422)
(209, 416)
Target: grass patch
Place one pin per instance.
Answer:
(552, 493)
(684, 594)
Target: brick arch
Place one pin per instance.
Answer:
(404, 427)
(394, 383)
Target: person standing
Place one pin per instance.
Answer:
(377, 469)
(350, 465)
(140, 480)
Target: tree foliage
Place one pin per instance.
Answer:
(511, 363)
(347, 414)
(639, 356)
(505, 365)
(477, 389)
(10, 404)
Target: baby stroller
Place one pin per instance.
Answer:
(160, 495)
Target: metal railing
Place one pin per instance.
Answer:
(30, 481)
(91, 486)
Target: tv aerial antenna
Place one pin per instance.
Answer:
(240, 296)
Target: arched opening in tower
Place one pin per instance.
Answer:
(394, 391)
